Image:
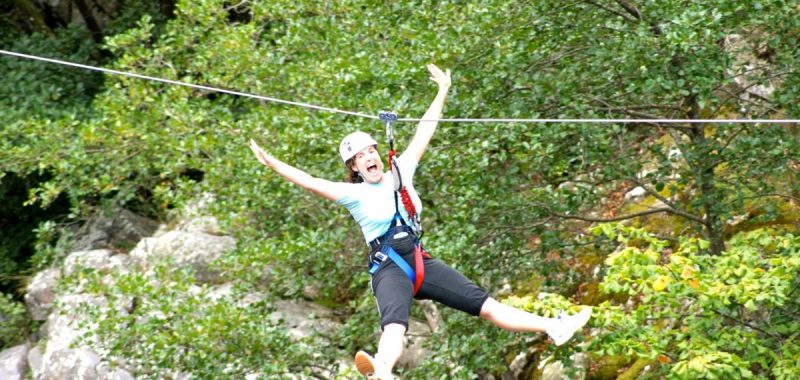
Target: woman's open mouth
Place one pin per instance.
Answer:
(372, 169)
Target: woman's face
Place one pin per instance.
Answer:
(368, 162)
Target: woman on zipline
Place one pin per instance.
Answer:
(371, 196)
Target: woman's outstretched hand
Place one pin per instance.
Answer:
(441, 78)
(294, 175)
(262, 156)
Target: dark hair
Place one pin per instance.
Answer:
(352, 176)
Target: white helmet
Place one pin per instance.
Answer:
(354, 143)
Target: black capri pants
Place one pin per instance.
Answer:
(393, 290)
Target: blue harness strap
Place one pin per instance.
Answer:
(389, 252)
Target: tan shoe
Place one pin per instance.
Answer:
(371, 368)
(365, 363)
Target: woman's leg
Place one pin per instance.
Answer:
(513, 319)
(510, 318)
(390, 346)
(445, 285)
(393, 293)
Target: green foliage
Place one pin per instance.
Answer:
(52, 245)
(148, 144)
(32, 88)
(730, 316)
(34, 98)
(480, 352)
(16, 322)
(162, 322)
(499, 199)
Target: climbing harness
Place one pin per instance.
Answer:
(399, 229)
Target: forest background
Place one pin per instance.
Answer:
(696, 276)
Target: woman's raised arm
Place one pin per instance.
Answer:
(319, 186)
(425, 129)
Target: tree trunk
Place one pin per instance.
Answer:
(33, 16)
(91, 22)
(706, 179)
(167, 7)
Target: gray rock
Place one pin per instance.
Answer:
(304, 318)
(635, 194)
(205, 224)
(186, 249)
(555, 370)
(120, 228)
(14, 362)
(41, 293)
(101, 260)
(106, 373)
(758, 83)
(199, 206)
(120, 374)
(64, 326)
(195, 216)
(68, 363)
(36, 361)
(432, 314)
(518, 364)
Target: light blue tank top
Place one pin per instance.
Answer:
(372, 204)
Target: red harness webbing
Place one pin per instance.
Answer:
(419, 253)
(404, 196)
(419, 267)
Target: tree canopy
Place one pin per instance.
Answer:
(504, 202)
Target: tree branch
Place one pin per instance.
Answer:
(647, 107)
(673, 209)
(627, 111)
(776, 336)
(725, 145)
(630, 8)
(778, 195)
(730, 140)
(615, 219)
(789, 296)
(610, 10)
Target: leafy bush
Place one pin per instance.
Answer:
(701, 316)
(52, 245)
(161, 322)
(32, 88)
(499, 198)
(14, 322)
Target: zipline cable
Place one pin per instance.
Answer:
(196, 86)
(373, 117)
(613, 121)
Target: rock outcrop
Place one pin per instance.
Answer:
(66, 350)
(14, 363)
(120, 227)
